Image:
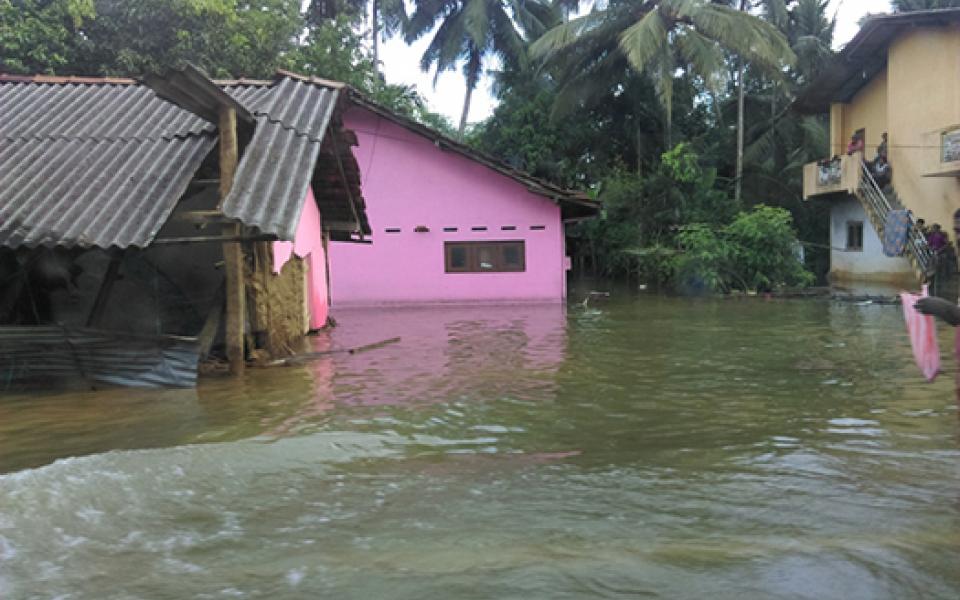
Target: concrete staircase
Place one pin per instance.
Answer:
(877, 203)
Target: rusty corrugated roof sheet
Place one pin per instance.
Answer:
(91, 164)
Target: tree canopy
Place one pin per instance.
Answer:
(635, 101)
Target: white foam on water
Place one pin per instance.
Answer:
(295, 576)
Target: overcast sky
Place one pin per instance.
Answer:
(401, 64)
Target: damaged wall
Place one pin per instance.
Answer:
(277, 303)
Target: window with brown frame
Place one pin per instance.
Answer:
(484, 257)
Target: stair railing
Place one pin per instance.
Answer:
(880, 204)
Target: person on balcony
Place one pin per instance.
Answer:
(882, 148)
(856, 144)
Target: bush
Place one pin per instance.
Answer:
(756, 252)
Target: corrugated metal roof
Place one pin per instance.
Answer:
(191, 89)
(277, 165)
(96, 112)
(93, 192)
(85, 164)
(864, 56)
(98, 162)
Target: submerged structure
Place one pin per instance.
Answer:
(154, 210)
(152, 224)
(450, 224)
(892, 90)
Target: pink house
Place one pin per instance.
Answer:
(450, 225)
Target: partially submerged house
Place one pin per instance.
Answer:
(130, 211)
(450, 224)
(899, 75)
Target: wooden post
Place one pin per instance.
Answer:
(326, 265)
(109, 278)
(232, 251)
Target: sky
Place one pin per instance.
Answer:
(401, 64)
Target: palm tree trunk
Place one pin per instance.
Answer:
(740, 101)
(375, 33)
(473, 77)
(466, 109)
(639, 151)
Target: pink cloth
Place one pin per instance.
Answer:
(923, 335)
(308, 245)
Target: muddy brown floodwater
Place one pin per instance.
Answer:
(647, 447)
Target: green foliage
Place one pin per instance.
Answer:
(660, 39)
(466, 32)
(226, 38)
(333, 50)
(705, 261)
(755, 252)
(40, 36)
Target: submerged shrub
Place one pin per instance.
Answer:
(756, 252)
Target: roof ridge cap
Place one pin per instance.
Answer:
(66, 79)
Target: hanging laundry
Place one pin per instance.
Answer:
(896, 228)
(923, 335)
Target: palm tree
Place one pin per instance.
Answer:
(660, 38)
(469, 31)
(785, 141)
(387, 17)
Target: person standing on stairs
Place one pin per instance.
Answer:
(882, 173)
(937, 239)
(882, 148)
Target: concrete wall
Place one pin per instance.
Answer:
(924, 91)
(409, 182)
(917, 93)
(868, 264)
(868, 110)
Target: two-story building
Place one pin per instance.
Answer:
(900, 75)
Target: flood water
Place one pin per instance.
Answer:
(652, 447)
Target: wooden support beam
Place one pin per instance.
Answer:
(218, 239)
(211, 325)
(350, 198)
(325, 239)
(232, 251)
(109, 278)
(202, 217)
(348, 226)
(203, 183)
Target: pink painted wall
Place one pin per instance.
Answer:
(407, 181)
(308, 245)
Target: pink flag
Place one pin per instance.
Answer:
(923, 335)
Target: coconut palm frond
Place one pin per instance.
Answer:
(423, 19)
(753, 39)
(564, 35)
(476, 22)
(643, 40)
(776, 12)
(705, 56)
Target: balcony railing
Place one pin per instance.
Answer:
(830, 177)
(941, 152)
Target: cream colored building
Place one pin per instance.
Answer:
(900, 75)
